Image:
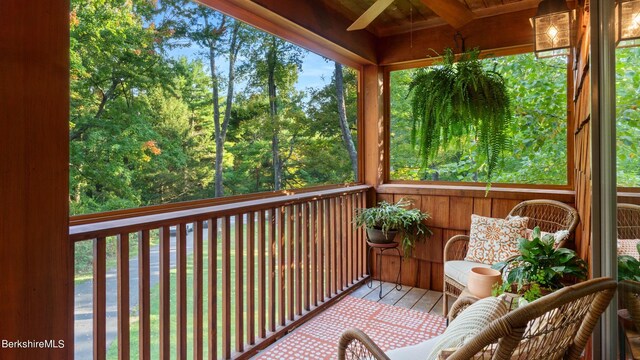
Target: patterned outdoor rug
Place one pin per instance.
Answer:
(388, 326)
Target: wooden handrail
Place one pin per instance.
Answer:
(136, 222)
(308, 254)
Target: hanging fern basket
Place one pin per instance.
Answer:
(459, 98)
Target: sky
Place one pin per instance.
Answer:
(316, 70)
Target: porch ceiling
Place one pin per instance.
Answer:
(403, 16)
(404, 31)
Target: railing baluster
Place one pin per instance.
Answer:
(328, 257)
(282, 268)
(261, 275)
(271, 255)
(213, 288)
(181, 285)
(239, 283)
(99, 298)
(361, 240)
(351, 242)
(308, 246)
(251, 258)
(298, 256)
(123, 296)
(319, 239)
(144, 304)
(335, 265)
(290, 262)
(342, 253)
(226, 288)
(165, 292)
(198, 238)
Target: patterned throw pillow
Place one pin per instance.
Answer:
(628, 247)
(494, 240)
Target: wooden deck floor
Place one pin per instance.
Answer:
(408, 297)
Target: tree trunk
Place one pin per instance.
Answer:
(221, 128)
(273, 112)
(344, 125)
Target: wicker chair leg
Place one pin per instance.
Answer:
(445, 302)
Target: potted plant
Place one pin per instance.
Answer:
(629, 267)
(460, 97)
(540, 268)
(386, 220)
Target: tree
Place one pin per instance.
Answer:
(217, 35)
(277, 65)
(342, 115)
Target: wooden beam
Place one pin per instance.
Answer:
(373, 144)
(371, 14)
(453, 12)
(36, 258)
(308, 24)
(496, 32)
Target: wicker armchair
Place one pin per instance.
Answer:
(556, 326)
(551, 216)
(628, 221)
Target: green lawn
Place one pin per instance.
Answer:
(83, 255)
(155, 306)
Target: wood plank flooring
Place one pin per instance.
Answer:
(423, 300)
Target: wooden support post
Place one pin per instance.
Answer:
(36, 256)
(374, 147)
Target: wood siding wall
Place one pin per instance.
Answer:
(582, 136)
(451, 211)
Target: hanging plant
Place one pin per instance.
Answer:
(457, 98)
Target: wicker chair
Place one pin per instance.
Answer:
(556, 326)
(628, 221)
(551, 216)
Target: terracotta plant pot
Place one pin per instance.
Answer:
(379, 237)
(481, 280)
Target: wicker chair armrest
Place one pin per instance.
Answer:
(355, 344)
(456, 248)
(460, 305)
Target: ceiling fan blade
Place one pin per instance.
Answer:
(451, 11)
(371, 14)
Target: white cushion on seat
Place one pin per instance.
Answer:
(459, 270)
(413, 352)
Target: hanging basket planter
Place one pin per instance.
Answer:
(457, 98)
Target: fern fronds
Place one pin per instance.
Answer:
(453, 99)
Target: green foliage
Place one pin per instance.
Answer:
(629, 267)
(627, 117)
(141, 125)
(537, 139)
(541, 263)
(397, 217)
(460, 98)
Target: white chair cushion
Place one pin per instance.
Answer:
(413, 352)
(468, 324)
(459, 270)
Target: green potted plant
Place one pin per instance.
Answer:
(386, 220)
(540, 268)
(460, 96)
(629, 267)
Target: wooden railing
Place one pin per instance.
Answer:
(277, 262)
